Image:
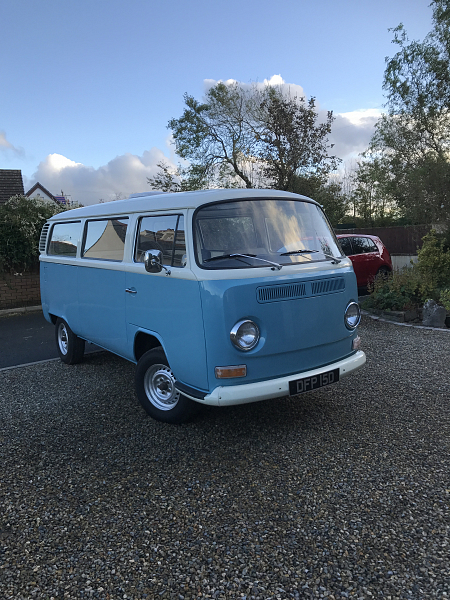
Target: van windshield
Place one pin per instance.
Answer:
(261, 233)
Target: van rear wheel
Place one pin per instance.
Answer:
(156, 391)
(70, 347)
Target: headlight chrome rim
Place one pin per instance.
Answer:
(237, 335)
(352, 321)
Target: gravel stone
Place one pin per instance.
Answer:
(339, 493)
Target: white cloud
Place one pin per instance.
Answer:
(3, 141)
(351, 132)
(276, 80)
(122, 176)
(6, 145)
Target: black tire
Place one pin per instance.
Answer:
(155, 389)
(383, 273)
(70, 347)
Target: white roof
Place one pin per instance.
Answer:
(163, 202)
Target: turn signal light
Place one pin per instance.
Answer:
(356, 343)
(229, 372)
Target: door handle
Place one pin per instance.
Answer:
(131, 291)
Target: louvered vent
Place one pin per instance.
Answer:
(304, 289)
(43, 238)
(327, 286)
(287, 291)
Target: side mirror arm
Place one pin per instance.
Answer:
(153, 262)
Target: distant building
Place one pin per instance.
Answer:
(11, 184)
(39, 192)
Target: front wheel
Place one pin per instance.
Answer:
(156, 391)
(70, 347)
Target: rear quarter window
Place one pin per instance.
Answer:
(64, 239)
(105, 239)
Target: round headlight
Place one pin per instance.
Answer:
(245, 335)
(352, 315)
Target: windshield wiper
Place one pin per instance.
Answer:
(299, 252)
(236, 255)
(333, 259)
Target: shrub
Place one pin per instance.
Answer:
(21, 221)
(444, 299)
(434, 264)
(410, 288)
(400, 291)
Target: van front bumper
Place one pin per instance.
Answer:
(275, 388)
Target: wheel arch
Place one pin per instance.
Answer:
(54, 318)
(143, 342)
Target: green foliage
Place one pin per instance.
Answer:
(252, 136)
(177, 180)
(444, 299)
(328, 194)
(400, 291)
(434, 264)
(21, 221)
(372, 197)
(429, 278)
(412, 140)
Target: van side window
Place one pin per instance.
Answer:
(164, 233)
(64, 239)
(105, 239)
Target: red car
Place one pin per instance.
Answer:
(369, 256)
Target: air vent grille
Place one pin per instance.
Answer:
(272, 293)
(327, 286)
(43, 238)
(296, 290)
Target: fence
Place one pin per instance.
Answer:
(401, 241)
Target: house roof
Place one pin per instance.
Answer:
(11, 183)
(39, 186)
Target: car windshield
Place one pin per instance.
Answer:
(262, 233)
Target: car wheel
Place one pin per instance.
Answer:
(383, 273)
(156, 391)
(70, 347)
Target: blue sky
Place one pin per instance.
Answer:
(87, 86)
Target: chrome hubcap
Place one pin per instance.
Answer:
(63, 338)
(159, 385)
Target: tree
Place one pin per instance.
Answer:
(326, 192)
(413, 138)
(371, 196)
(177, 180)
(250, 136)
(21, 221)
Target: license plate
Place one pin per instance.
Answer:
(307, 384)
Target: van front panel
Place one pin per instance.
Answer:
(301, 321)
(169, 307)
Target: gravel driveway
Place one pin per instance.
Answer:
(343, 492)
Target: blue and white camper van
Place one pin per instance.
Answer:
(220, 297)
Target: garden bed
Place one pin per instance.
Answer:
(413, 317)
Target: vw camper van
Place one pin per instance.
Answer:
(220, 297)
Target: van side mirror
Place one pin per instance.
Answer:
(153, 262)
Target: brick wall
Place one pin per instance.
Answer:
(17, 291)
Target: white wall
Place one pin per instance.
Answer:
(400, 262)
